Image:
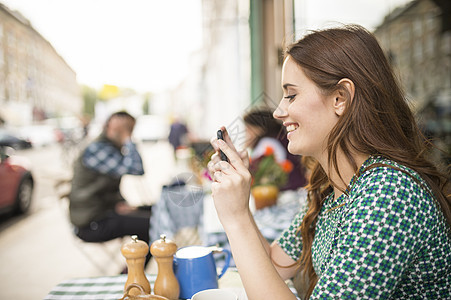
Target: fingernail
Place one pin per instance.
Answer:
(221, 142)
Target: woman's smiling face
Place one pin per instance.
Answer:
(307, 114)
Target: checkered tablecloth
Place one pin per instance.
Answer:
(102, 288)
(112, 287)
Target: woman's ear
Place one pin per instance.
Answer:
(343, 95)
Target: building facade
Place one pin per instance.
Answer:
(35, 82)
(272, 24)
(417, 39)
(240, 61)
(217, 90)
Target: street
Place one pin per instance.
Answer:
(38, 250)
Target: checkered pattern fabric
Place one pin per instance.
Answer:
(102, 288)
(179, 207)
(389, 240)
(103, 157)
(273, 220)
(112, 288)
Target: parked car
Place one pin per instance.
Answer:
(8, 138)
(16, 182)
(39, 134)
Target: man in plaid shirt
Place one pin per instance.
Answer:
(97, 209)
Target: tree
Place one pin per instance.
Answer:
(146, 104)
(89, 100)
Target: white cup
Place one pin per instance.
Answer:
(214, 294)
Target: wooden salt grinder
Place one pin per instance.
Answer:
(135, 253)
(166, 283)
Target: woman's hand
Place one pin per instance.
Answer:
(243, 154)
(231, 180)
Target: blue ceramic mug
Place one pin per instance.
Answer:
(195, 269)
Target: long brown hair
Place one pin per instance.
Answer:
(377, 120)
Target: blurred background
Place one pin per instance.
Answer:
(65, 65)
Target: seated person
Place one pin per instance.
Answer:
(263, 131)
(97, 209)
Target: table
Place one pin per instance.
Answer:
(112, 287)
(106, 288)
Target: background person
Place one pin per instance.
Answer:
(97, 209)
(178, 134)
(377, 224)
(263, 131)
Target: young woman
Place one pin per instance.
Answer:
(377, 225)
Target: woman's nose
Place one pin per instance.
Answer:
(280, 112)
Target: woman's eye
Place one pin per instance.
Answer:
(290, 97)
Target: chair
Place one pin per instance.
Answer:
(178, 214)
(110, 249)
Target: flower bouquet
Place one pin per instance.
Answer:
(268, 176)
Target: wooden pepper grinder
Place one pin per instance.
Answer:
(135, 253)
(166, 283)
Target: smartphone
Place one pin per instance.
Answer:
(220, 136)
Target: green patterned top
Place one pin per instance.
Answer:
(389, 239)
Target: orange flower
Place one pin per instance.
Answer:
(287, 166)
(266, 170)
(269, 151)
